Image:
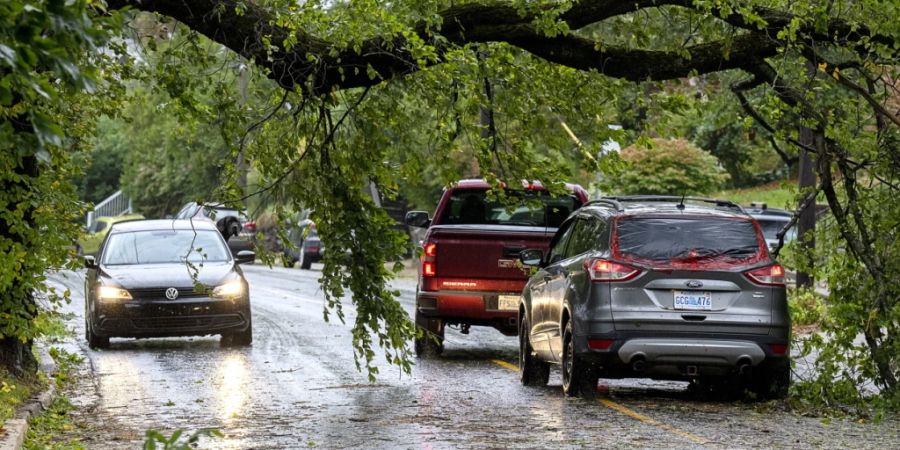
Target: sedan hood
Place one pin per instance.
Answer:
(168, 275)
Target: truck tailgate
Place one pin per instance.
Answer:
(486, 252)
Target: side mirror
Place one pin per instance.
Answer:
(90, 262)
(417, 219)
(245, 256)
(531, 257)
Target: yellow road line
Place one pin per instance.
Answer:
(628, 412)
(505, 364)
(636, 415)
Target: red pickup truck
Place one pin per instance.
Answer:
(468, 273)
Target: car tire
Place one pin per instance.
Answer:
(579, 378)
(772, 383)
(532, 371)
(239, 338)
(431, 343)
(287, 261)
(305, 262)
(94, 341)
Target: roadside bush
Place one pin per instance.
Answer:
(806, 306)
(666, 167)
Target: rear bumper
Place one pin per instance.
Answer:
(187, 317)
(471, 308)
(681, 357)
(692, 351)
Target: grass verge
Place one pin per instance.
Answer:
(778, 194)
(46, 431)
(14, 392)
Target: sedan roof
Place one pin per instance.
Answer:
(163, 224)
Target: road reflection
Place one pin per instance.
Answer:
(231, 386)
(129, 380)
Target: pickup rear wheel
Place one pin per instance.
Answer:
(579, 378)
(532, 371)
(431, 343)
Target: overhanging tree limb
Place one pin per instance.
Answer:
(321, 66)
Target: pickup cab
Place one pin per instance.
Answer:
(469, 272)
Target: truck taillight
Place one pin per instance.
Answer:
(429, 255)
(603, 270)
(769, 276)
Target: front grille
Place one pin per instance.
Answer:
(187, 322)
(160, 293)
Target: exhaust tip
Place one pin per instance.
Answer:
(638, 364)
(744, 366)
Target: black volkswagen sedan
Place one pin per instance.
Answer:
(158, 278)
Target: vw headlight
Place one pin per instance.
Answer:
(112, 293)
(230, 289)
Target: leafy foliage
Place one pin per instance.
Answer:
(478, 88)
(177, 441)
(44, 69)
(666, 167)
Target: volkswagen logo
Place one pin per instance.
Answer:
(694, 284)
(171, 293)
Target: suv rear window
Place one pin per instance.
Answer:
(529, 208)
(692, 240)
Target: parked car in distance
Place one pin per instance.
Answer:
(307, 247)
(156, 278)
(234, 224)
(89, 242)
(772, 221)
(656, 287)
(469, 273)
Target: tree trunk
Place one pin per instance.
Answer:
(806, 225)
(15, 355)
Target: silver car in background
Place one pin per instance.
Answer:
(657, 287)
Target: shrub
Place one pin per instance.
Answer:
(666, 167)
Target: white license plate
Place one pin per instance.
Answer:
(696, 300)
(508, 302)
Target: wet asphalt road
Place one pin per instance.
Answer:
(298, 387)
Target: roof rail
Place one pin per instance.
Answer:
(607, 201)
(676, 199)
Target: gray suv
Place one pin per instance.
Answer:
(656, 287)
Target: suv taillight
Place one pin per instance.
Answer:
(769, 276)
(429, 256)
(603, 270)
(250, 225)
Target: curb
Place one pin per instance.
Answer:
(17, 427)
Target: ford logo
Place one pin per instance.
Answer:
(694, 284)
(171, 293)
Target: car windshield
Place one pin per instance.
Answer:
(164, 246)
(770, 228)
(687, 239)
(528, 208)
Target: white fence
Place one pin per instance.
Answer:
(114, 205)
